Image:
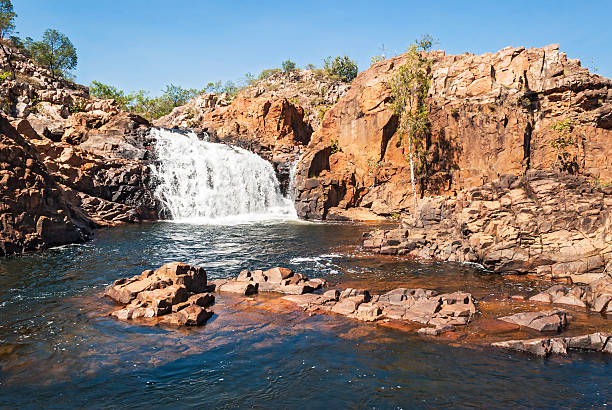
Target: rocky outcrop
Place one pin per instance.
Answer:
(554, 225)
(281, 280)
(441, 313)
(595, 342)
(273, 118)
(596, 296)
(174, 294)
(312, 90)
(490, 115)
(90, 155)
(35, 210)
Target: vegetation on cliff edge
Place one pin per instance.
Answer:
(409, 87)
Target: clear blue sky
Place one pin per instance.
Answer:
(145, 44)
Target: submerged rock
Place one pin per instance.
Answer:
(175, 292)
(411, 305)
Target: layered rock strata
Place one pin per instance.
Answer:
(554, 225)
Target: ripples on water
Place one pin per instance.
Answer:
(58, 348)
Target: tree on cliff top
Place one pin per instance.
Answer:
(7, 27)
(409, 87)
(55, 51)
(288, 66)
(341, 67)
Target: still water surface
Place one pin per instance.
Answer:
(59, 349)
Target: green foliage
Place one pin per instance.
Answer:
(381, 57)
(341, 67)
(97, 89)
(7, 19)
(250, 79)
(5, 75)
(267, 73)
(322, 110)
(395, 216)
(564, 140)
(55, 51)
(77, 106)
(334, 146)
(140, 103)
(597, 182)
(309, 66)
(409, 87)
(288, 66)
(376, 59)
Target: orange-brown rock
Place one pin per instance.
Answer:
(555, 225)
(490, 115)
(35, 211)
(172, 292)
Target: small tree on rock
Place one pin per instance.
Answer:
(409, 87)
(341, 67)
(7, 27)
(55, 51)
(288, 66)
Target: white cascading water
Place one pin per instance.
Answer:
(204, 182)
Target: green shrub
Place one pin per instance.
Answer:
(342, 68)
(268, 72)
(288, 66)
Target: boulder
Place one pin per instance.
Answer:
(276, 275)
(543, 321)
(243, 288)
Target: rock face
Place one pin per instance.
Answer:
(175, 292)
(596, 342)
(490, 115)
(74, 162)
(35, 211)
(312, 90)
(555, 225)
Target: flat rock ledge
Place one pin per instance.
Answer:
(440, 312)
(281, 280)
(596, 296)
(595, 342)
(554, 320)
(175, 293)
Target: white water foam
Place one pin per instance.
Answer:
(209, 183)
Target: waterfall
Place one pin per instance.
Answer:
(292, 172)
(204, 182)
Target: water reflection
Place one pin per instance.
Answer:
(56, 346)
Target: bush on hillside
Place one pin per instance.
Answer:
(341, 67)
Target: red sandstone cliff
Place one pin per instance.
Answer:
(490, 115)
